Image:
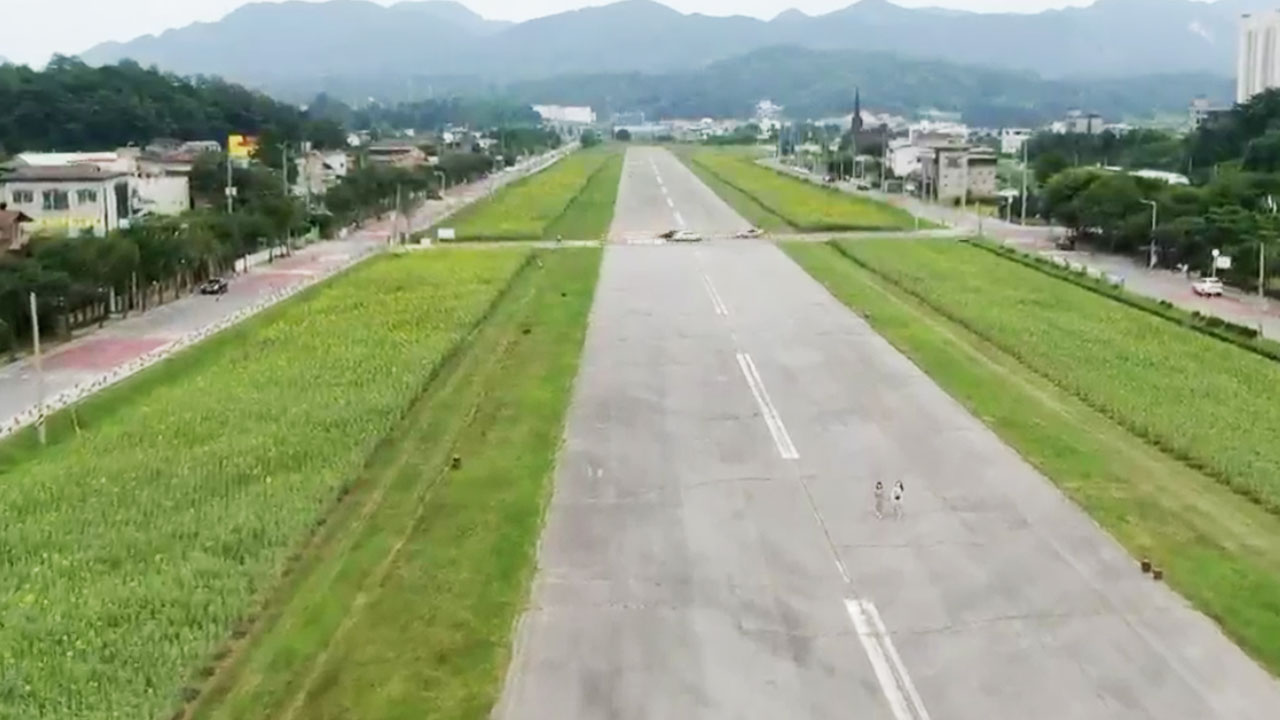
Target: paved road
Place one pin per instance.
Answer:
(121, 343)
(658, 193)
(711, 550)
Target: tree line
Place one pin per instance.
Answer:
(1233, 161)
(70, 106)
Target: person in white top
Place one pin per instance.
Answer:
(879, 500)
(899, 490)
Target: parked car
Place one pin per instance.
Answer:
(686, 236)
(752, 233)
(214, 286)
(1207, 287)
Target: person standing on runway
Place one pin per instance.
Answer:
(899, 490)
(879, 500)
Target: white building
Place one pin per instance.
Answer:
(68, 198)
(904, 157)
(1012, 140)
(139, 186)
(566, 114)
(1257, 54)
(948, 172)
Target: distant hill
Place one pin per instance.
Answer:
(345, 39)
(817, 84)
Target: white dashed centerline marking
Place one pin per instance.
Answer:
(716, 301)
(904, 701)
(781, 438)
(679, 219)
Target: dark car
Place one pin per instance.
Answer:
(215, 286)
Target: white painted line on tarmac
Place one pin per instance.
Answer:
(679, 219)
(781, 438)
(716, 301)
(671, 204)
(899, 691)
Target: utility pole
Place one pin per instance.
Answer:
(288, 196)
(230, 189)
(35, 347)
(1262, 249)
(1026, 142)
(884, 157)
(395, 219)
(1155, 211)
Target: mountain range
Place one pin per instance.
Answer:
(819, 84)
(272, 44)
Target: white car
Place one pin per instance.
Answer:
(1207, 287)
(752, 233)
(686, 236)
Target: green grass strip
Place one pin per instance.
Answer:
(1219, 550)
(589, 215)
(524, 209)
(406, 606)
(804, 205)
(1208, 403)
(133, 548)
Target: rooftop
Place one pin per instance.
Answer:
(57, 173)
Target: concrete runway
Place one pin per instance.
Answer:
(658, 193)
(711, 549)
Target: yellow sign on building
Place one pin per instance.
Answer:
(242, 147)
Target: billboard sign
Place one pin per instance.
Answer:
(242, 147)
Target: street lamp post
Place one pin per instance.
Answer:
(1151, 254)
(1025, 144)
(1213, 268)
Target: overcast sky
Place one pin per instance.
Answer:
(32, 30)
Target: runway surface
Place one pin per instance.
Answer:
(711, 549)
(658, 193)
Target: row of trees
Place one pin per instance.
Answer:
(70, 106)
(1231, 213)
(1233, 161)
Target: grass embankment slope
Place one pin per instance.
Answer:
(745, 205)
(133, 547)
(406, 606)
(1071, 379)
(800, 204)
(573, 198)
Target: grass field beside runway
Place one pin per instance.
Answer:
(405, 606)
(745, 205)
(572, 198)
(802, 205)
(137, 540)
(1220, 549)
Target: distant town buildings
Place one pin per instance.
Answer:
(403, 153)
(954, 173)
(1257, 54)
(1012, 140)
(566, 114)
(1202, 111)
(1079, 122)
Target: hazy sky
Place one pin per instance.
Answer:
(32, 30)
